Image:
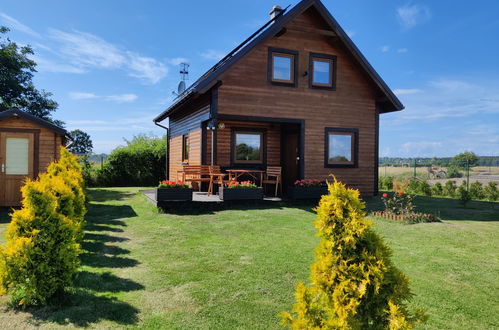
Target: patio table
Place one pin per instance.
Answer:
(234, 174)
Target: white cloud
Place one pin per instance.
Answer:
(385, 48)
(14, 24)
(119, 98)
(402, 50)
(451, 85)
(411, 15)
(45, 65)
(401, 91)
(146, 68)
(212, 54)
(84, 51)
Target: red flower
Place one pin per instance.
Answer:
(385, 195)
(401, 193)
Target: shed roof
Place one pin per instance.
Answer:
(389, 102)
(16, 113)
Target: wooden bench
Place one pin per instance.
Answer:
(195, 173)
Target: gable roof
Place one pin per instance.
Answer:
(390, 102)
(16, 113)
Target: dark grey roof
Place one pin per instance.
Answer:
(16, 113)
(209, 79)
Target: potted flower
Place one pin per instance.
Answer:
(307, 189)
(173, 191)
(240, 190)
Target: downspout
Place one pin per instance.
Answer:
(167, 149)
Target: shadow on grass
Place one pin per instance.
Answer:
(103, 195)
(106, 282)
(82, 308)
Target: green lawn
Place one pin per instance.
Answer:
(238, 268)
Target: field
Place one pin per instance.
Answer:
(483, 174)
(237, 268)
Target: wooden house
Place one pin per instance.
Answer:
(27, 145)
(297, 94)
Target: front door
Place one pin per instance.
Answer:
(291, 156)
(16, 163)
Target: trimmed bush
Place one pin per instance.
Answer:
(437, 189)
(463, 194)
(42, 249)
(454, 172)
(450, 188)
(354, 283)
(491, 191)
(140, 163)
(476, 190)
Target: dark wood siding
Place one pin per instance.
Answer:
(246, 91)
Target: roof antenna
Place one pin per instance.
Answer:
(184, 73)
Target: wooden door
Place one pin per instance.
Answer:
(290, 158)
(16, 163)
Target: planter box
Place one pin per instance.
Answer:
(297, 192)
(173, 194)
(232, 194)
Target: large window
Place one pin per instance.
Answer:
(322, 71)
(341, 147)
(185, 148)
(283, 66)
(247, 147)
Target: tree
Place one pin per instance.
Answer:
(465, 158)
(16, 81)
(354, 282)
(81, 142)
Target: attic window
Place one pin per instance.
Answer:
(282, 67)
(322, 71)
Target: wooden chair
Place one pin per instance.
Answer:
(273, 175)
(195, 173)
(216, 177)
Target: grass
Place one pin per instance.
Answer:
(237, 268)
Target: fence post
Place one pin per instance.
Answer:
(467, 175)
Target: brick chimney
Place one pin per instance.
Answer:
(276, 10)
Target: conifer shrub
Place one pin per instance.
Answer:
(41, 254)
(354, 283)
(42, 249)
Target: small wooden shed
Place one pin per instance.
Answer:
(27, 146)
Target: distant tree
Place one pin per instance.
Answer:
(16, 81)
(81, 142)
(464, 158)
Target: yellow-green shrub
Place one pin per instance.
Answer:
(41, 254)
(354, 283)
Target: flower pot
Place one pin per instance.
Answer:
(231, 194)
(299, 192)
(173, 194)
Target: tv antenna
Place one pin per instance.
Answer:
(184, 75)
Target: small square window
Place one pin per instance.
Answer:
(185, 148)
(248, 147)
(282, 67)
(322, 71)
(341, 147)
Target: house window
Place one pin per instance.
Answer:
(247, 147)
(341, 147)
(283, 66)
(322, 71)
(185, 148)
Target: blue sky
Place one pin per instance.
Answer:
(112, 65)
